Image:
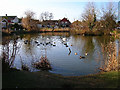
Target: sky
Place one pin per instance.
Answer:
(71, 9)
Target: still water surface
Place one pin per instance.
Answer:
(57, 48)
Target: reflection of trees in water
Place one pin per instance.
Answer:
(83, 44)
(10, 49)
(111, 61)
(104, 40)
(77, 42)
(37, 47)
(89, 45)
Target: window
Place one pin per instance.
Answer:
(66, 22)
(62, 22)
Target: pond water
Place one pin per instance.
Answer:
(61, 49)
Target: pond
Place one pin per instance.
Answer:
(62, 50)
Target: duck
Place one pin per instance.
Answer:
(69, 49)
(26, 41)
(82, 57)
(66, 45)
(47, 43)
(75, 53)
(38, 44)
(54, 45)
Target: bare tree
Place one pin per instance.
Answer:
(30, 14)
(46, 16)
(51, 16)
(108, 19)
(28, 20)
(89, 16)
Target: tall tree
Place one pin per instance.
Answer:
(27, 21)
(108, 18)
(89, 16)
(46, 16)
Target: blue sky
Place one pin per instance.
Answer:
(72, 9)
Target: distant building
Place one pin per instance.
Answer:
(65, 22)
(56, 23)
(50, 23)
(5, 21)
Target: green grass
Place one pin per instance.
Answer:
(24, 79)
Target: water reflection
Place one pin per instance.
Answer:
(22, 52)
(111, 60)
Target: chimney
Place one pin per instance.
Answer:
(6, 15)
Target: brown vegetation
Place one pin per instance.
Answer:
(29, 22)
(43, 64)
(111, 60)
(90, 23)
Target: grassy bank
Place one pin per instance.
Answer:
(24, 79)
(6, 32)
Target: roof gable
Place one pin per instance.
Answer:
(64, 20)
(9, 17)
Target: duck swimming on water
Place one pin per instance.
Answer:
(82, 57)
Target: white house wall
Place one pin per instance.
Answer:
(16, 20)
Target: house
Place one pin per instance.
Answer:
(56, 23)
(6, 21)
(65, 22)
(50, 23)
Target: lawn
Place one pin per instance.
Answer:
(24, 79)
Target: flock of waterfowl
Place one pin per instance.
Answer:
(40, 43)
(81, 57)
(44, 64)
(54, 44)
